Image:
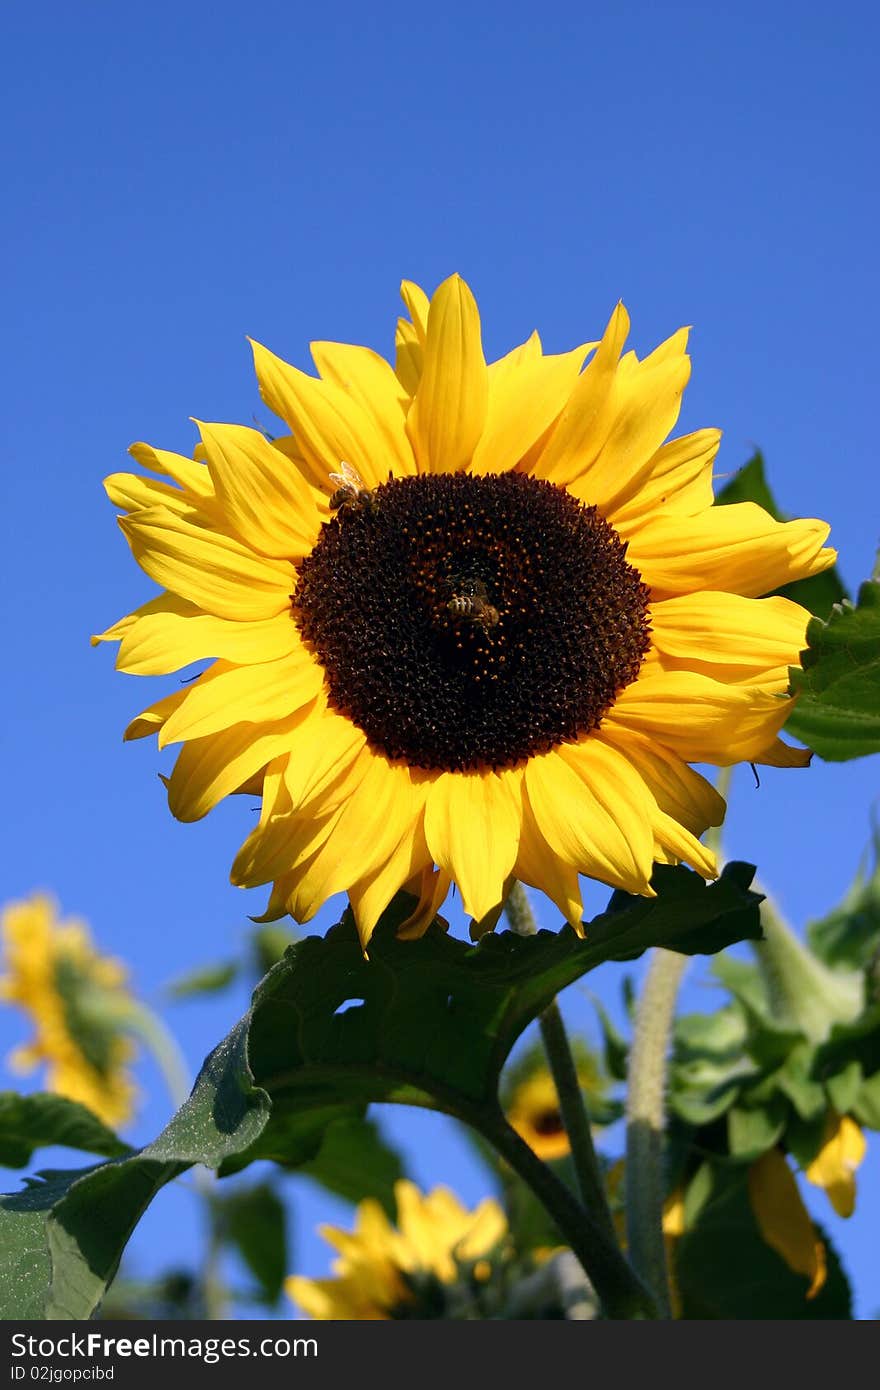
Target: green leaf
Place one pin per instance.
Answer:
(615, 1048)
(724, 1269)
(849, 936)
(710, 1064)
(819, 592)
(838, 710)
(38, 1120)
(845, 1086)
(355, 1162)
(26, 1267)
(795, 1080)
(428, 1022)
(751, 1131)
(254, 1220)
(866, 1106)
(268, 944)
(63, 1238)
(431, 1022)
(209, 979)
(684, 916)
(804, 1138)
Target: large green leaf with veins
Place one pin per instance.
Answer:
(429, 1022)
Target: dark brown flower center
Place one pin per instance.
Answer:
(470, 622)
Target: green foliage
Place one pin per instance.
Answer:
(268, 944)
(254, 1220)
(820, 592)
(724, 1268)
(747, 1077)
(64, 1235)
(849, 936)
(838, 712)
(429, 1022)
(36, 1121)
(355, 1162)
(209, 979)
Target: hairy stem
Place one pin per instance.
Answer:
(645, 1114)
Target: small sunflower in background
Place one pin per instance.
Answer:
(531, 1102)
(435, 1263)
(469, 622)
(76, 999)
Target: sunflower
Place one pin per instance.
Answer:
(75, 997)
(531, 1101)
(467, 623)
(437, 1250)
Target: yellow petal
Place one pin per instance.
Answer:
(728, 637)
(214, 571)
(780, 754)
(646, 403)
(193, 477)
(325, 761)
(119, 629)
(417, 306)
(371, 894)
(584, 423)
(260, 694)
(526, 394)
(834, 1167)
(678, 790)
(539, 867)
(370, 380)
(131, 492)
(320, 760)
(783, 1219)
(738, 548)
(675, 845)
(431, 888)
(678, 480)
(449, 410)
(701, 720)
(472, 823)
(329, 425)
(168, 633)
(264, 497)
(408, 357)
(207, 769)
(389, 797)
(580, 817)
(150, 721)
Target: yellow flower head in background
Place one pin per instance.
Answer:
(397, 1272)
(466, 621)
(534, 1113)
(53, 971)
(532, 1103)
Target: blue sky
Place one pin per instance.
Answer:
(181, 176)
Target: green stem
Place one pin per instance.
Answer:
(618, 1288)
(214, 1292)
(565, 1078)
(163, 1046)
(575, 1117)
(158, 1040)
(645, 1114)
